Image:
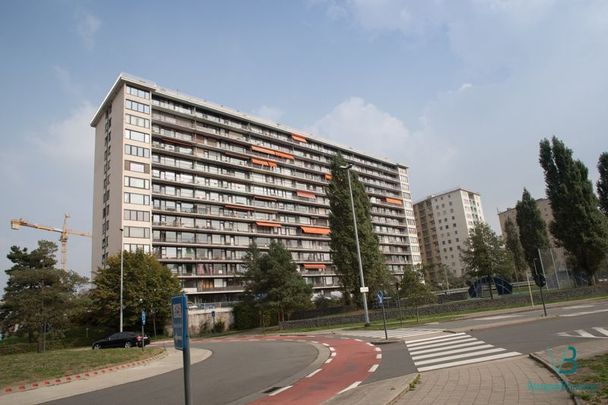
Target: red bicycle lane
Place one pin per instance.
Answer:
(350, 363)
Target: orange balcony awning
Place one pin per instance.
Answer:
(272, 152)
(298, 138)
(262, 162)
(328, 176)
(315, 230)
(314, 266)
(306, 194)
(268, 224)
(394, 201)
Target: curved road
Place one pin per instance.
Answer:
(235, 371)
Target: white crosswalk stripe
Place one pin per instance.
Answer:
(401, 333)
(452, 350)
(596, 332)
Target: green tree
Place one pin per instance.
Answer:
(147, 284)
(273, 281)
(38, 294)
(515, 250)
(578, 224)
(532, 228)
(602, 183)
(414, 291)
(484, 254)
(343, 244)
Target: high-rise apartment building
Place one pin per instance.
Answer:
(195, 183)
(444, 221)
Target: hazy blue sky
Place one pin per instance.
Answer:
(460, 91)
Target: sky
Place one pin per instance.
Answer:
(461, 91)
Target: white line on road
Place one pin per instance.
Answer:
(433, 338)
(325, 344)
(601, 330)
(460, 350)
(333, 354)
(331, 349)
(586, 313)
(496, 317)
(443, 339)
(350, 387)
(378, 349)
(369, 344)
(438, 349)
(579, 307)
(329, 360)
(470, 361)
(442, 343)
(314, 372)
(459, 356)
(378, 356)
(359, 340)
(279, 391)
(373, 368)
(584, 333)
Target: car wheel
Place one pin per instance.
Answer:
(96, 347)
(127, 345)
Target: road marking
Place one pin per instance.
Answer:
(443, 343)
(454, 351)
(434, 338)
(325, 344)
(369, 344)
(378, 349)
(331, 349)
(333, 354)
(443, 339)
(378, 356)
(496, 317)
(314, 341)
(314, 372)
(584, 333)
(587, 312)
(470, 361)
(601, 330)
(359, 340)
(279, 391)
(373, 368)
(350, 387)
(400, 333)
(438, 349)
(329, 360)
(578, 307)
(460, 356)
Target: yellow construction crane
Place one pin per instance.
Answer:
(63, 238)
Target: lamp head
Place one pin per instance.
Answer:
(347, 166)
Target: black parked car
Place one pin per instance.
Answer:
(121, 339)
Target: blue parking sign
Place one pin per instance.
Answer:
(179, 319)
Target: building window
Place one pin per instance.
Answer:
(136, 182)
(137, 167)
(136, 215)
(137, 136)
(136, 232)
(139, 107)
(139, 199)
(137, 121)
(137, 151)
(134, 91)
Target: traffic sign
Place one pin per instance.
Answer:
(364, 289)
(380, 296)
(179, 319)
(143, 317)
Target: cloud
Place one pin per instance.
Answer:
(87, 27)
(270, 113)
(69, 86)
(68, 141)
(368, 129)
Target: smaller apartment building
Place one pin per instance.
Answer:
(444, 221)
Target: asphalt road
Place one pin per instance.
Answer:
(234, 372)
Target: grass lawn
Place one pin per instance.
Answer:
(593, 371)
(32, 367)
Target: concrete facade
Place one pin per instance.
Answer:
(444, 221)
(195, 183)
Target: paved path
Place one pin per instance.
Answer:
(400, 333)
(453, 350)
(508, 381)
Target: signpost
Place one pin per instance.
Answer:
(179, 318)
(380, 297)
(540, 281)
(143, 322)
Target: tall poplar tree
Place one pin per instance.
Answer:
(513, 245)
(602, 183)
(532, 228)
(343, 245)
(578, 224)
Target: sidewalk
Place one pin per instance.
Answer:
(172, 361)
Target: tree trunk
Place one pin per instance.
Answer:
(490, 285)
(417, 315)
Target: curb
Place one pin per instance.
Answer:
(79, 376)
(561, 378)
(498, 324)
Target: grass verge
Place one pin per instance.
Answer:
(25, 368)
(593, 371)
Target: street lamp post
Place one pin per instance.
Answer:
(352, 204)
(121, 276)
